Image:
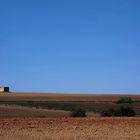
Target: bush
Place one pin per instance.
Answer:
(111, 112)
(78, 113)
(127, 111)
(122, 111)
(105, 113)
(124, 100)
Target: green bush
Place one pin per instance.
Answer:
(105, 113)
(111, 112)
(124, 100)
(122, 111)
(127, 111)
(78, 113)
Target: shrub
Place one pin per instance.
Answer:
(111, 112)
(78, 113)
(105, 113)
(124, 100)
(127, 111)
(122, 111)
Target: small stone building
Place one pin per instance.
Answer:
(4, 89)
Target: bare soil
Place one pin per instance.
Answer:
(30, 123)
(7, 111)
(94, 103)
(64, 97)
(70, 129)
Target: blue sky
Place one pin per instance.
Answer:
(71, 46)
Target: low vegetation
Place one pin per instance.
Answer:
(78, 113)
(122, 111)
(123, 100)
(58, 105)
(89, 106)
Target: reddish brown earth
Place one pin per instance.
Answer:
(99, 102)
(64, 97)
(64, 128)
(70, 129)
(7, 111)
(70, 121)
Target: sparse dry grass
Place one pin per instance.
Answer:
(90, 128)
(70, 129)
(8, 111)
(64, 97)
(90, 102)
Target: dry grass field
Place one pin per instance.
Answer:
(91, 102)
(7, 111)
(64, 97)
(37, 116)
(70, 129)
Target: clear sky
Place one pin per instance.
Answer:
(72, 46)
